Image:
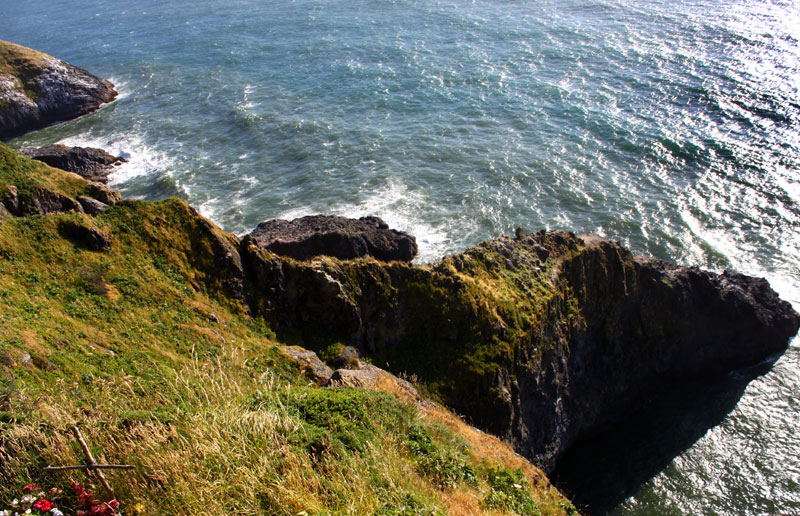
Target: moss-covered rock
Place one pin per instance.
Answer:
(542, 339)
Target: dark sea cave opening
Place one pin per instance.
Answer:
(600, 472)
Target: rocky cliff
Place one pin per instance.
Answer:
(541, 340)
(129, 323)
(37, 90)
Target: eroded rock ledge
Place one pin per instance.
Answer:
(37, 90)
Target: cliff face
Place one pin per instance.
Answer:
(37, 90)
(540, 340)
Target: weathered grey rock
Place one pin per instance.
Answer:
(104, 194)
(37, 90)
(4, 213)
(85, 235)
(335, 236)
(92, 206)
(309, 363)
(88, 162)
(46, 201)
(368, 376)
(10, 199)
(42, 202)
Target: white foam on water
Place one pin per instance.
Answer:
(123, 91)
(143, 160)
(740, 258)
(207, 208)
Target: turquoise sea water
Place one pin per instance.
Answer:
(673, 127)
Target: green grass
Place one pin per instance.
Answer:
(143, 348)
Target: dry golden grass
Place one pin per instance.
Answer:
(159, 371)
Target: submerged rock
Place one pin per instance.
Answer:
(335, 236)
(37, 90)
(88, 162)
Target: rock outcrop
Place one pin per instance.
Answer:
(541, 340)
(360, 375)
(37, 90)
(335, 236)
(88, 162)
(50, 191)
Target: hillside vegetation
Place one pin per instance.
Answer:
(139, 345)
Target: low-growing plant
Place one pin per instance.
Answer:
(509, 489)
(445, 466)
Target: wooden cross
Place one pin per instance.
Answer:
(91, 464)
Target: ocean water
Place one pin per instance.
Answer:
(672, 126)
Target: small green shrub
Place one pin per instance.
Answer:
(509, 489)
(446, 466)
(406, 505)
(340, 417)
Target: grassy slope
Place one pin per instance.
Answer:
(23, 64)
(136, 346)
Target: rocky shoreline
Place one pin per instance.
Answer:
(542, 339)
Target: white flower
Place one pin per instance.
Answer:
(56, 512)
(15, 503)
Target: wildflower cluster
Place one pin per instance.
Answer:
(35, 504)
(92, 507)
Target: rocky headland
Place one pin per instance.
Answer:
(37, 90)
(542, 340)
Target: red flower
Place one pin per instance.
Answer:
(44, 505)
(30, 488)
(91, 506)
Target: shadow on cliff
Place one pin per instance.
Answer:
(601, 472)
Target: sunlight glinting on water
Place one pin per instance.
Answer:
(672, 127)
